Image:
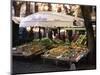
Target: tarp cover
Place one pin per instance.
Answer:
(50, 19)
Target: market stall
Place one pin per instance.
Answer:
(72, 53)
(57, 49)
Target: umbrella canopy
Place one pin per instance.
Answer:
(50, 19)
(16, 19)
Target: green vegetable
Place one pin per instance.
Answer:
(46, 42)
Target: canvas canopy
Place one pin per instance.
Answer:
(16, 19)
(50, 19)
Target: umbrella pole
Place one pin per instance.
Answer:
(40, 33)
(47, 32)
(33, 33)
(59, 32)
(44, 35)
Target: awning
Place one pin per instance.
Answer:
(50, 19)
(17, 19)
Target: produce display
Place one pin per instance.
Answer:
(66, 53)
(48, 43)
(73, 52)
(55, 49)
(35, 47)
(81, 40)
(54, 52)
(30, 48)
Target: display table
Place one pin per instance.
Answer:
(20, 52)
(72, 61)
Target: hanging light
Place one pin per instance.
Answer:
(62, 30)
(28, 29)
(41, 30)
(36, 29)
(33, 29)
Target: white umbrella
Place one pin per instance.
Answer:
(50, 19)
(17, 19)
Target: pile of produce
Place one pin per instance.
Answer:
(35, 47)
(48, 43)
(55, 48)
(30, 48)
(80, 41)
(65, 52)
(58, 41)
(70, 51)
(54, 52)
(74, 53)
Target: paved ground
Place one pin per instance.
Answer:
(36, 65)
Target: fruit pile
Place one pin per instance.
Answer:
(66, 52)
(54, 52)
(69, 52)
(36, 47)
(30, 48)
(73, 53)
(55, 48)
